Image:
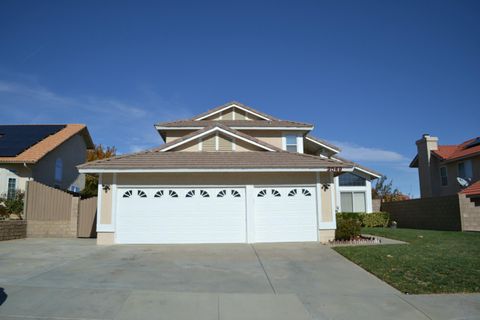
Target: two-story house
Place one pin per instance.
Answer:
(45, 153)
(439, 166)
(230, 175)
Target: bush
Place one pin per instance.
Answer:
(375, 219)
(369, 220)
(13, 205)
(347, 228)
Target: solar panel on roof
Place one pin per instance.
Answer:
(14, 139)
(474, 143)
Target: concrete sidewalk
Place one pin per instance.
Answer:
(75, 279)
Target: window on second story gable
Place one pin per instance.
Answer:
(443, 176)
(465, 170)
(291, 143)
(351, 180)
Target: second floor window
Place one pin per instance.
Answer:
(465, 170)
(443, 176)
(291, 143)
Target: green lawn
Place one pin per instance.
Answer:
(432, 262)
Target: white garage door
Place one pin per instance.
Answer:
(285, 214)
(181, 215)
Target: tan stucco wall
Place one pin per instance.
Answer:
(228, 115)
(324, 236)
(328, 209)
(215, 178)
(106, 201)
(225, 144)
(105, 238)
(73, 152)
(269, 136)
(175, 134)
(452, 173)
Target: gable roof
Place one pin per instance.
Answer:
(233, 104)
(323, 143)
(359, 167)
(217, 127)
(40, 149)
(472, 190)
(236, 124)
(157, 161)
(467, 148)
(454, 152)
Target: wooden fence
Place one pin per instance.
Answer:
(55, 213)
(87, 218)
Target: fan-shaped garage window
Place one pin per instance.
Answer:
(172, 194)
(127, 194)
(204, 194)
(306, 193)
(235, 194)
(292, 193)
(262, 193)
(158, 194)
(141, 194)
(190, 194)
(275, 193)
(222, 194)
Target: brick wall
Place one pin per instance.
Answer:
(470, 214)
(10, 230)
(437, 213)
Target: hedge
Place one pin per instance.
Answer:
(349, 224)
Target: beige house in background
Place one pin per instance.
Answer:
(230, 175)
(47, 154)
(439, 166)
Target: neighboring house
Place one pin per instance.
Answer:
(230, 175)
(48, 154)
(439, 166)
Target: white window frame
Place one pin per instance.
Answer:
(352, 192)
(441, 176)
(298, 140)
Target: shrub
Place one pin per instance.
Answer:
(13, 205)
(375, 219)
(348, 227)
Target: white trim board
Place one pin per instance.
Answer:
(239, 128)
(233, 105)
(216, 129)
(132, 170)
(322, 144)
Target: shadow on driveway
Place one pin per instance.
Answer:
(3, 296)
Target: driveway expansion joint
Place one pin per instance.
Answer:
(263, 268)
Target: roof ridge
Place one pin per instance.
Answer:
(213, 110)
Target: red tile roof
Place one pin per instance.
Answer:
(472, 190)
(453, 152)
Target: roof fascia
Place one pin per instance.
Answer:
(233, 105)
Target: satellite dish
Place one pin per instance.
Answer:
(464, 183)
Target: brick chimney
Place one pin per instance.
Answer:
(424, 150)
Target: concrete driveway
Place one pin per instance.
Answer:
(75, 279)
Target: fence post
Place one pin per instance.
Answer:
(74, 216)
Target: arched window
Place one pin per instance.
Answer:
(58, 169)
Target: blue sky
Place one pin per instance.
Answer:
(371, 75)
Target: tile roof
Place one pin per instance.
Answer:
(234, 123)
(321, 141)
(155, 159)
(42, 148)
(233, 103)
(221, 126)
(453, 152)
(354, 164)
(472, 190)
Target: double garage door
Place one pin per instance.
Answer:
(215, 215)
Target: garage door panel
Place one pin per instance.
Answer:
(285, 214)
(190, 217)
